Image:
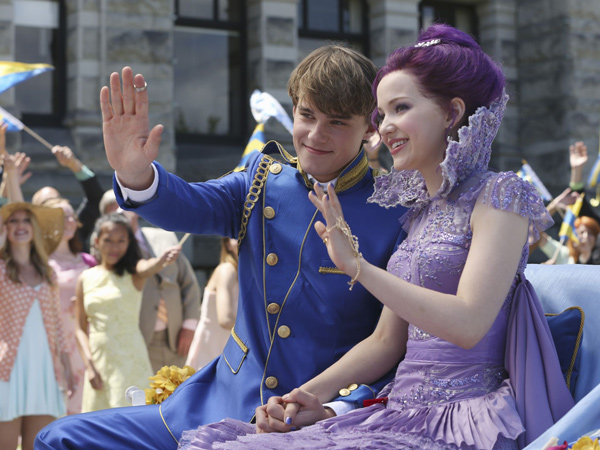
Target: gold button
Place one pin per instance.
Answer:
(275, 168)
(271, 382)
(353, 387)
(284, 331)
(344, 392)
(273, 308)
(269, 212)
(272, 259)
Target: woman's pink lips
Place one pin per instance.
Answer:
(398, 149)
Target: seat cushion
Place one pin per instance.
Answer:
(567, 331)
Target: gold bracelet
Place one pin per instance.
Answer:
(345, 228)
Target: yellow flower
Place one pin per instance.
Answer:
(586, 443)
(165, 382)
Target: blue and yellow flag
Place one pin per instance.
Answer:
(567, 229)
(527, 174)
(255, 144)
(12, 72)
(14, 124)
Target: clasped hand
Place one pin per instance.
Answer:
(297, 409)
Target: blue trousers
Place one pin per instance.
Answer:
(132, 427)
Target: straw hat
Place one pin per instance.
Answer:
(50, 220)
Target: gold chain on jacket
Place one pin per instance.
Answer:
(253, 194)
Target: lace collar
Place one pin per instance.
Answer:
(471, 153)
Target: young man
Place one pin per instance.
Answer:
(296, 315)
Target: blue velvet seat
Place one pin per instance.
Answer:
(558, 288)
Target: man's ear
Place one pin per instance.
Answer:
(456, 112)
(371, 130)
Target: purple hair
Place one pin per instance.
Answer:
(456, 67)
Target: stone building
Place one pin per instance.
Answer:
(203, 58)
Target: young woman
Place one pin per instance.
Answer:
(34, 364)
(219, 306)
(452, 290)
(108, 300)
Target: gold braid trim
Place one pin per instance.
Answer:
(253, 194)
(165, 422)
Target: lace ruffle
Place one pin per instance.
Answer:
(471, 153)
(506, 191)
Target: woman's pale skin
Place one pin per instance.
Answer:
(414, 128)
(224, 283)
(112, 243)
(18, 230)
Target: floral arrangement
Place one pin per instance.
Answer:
(165, 382)
(584, 443)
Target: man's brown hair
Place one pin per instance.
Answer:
(336, 80)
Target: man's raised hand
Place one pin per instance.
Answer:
(129, 143)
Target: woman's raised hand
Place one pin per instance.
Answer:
(336, 234)
(129, 143)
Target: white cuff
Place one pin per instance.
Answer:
(139, 196)
(340, 408)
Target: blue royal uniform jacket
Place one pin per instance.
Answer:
(296, 315)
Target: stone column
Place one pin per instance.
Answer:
(7, 44)
(272, 54)
(392, 23)
(545, 66)
(498, 38)
(104, 36)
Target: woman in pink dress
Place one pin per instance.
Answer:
(219, 305)
(68, 261)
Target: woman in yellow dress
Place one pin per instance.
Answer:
(108, 304)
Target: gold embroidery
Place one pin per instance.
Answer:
(331, 270)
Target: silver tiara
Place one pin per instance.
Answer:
(428, 43)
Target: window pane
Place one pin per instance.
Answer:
(323, 15)
(34, 45)
(207, 81)
(352, 15)
(196, 9)
(230, 10)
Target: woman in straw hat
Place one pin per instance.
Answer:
(34, 367)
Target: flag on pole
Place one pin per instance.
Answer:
(14, 124)
(12, 72)
(263, 106)
(527, 174)
(567, 229)
(255, 144)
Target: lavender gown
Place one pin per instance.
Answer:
(443, 396)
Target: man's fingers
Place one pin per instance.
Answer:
(153, 141)
(115, 94)
(141, 95)
(128, 91)
(107, 113)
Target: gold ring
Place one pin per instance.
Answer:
(141, 89)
